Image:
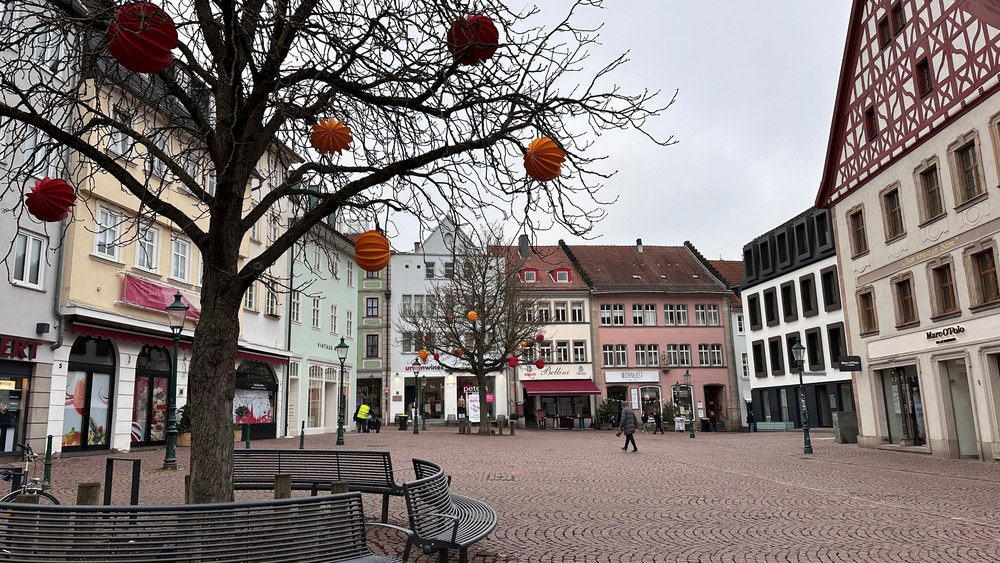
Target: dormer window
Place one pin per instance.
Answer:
(529, 276)
(561, 276)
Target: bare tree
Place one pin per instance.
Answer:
(432, 136)
(478, 319)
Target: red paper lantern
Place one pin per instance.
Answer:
(458, 352)
(437, 356)
(512, 362)
(329, 136)
(371, 251)
(540, 337)
(544, 159)
(50, 199)
(539, 363)
(472, 316)
(473, 40)
(141, 36)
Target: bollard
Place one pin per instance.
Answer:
(27, 499)
(338, 487)
(47, 480)
(513, 425)
(499, 428)
(283, 485)
(246, 435)
(87, 493)
(302, 436)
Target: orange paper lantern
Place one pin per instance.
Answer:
(472, 316)
(523, 344)
(371, 251)
(423, 355)
(329, 136)
(544, 159)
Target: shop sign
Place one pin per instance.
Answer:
(557, 371)
(18, 348)
(947, 333)
(489, 397)
(424, 367)
(632, 376)
(8, 385)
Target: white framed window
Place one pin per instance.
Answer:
(106, 235)
(560, 312)
(579, 351)
(652, 354)
(449, 270)
(716, 354)
(529, 314)
(746, 366)
(605, 315)
(407, 343)
(333, 318)
(649, 311)
(145, 251)
(201, 269)
(38, 147)
(608, 353)
(179, 259)
(576, 311)
(250, 297)
(637, 316)
(255, 227)
(273, 228)
(335, 267)
(49, 50)
(208, 179)
(669, 315)
(621, 355)
(544, 351)
(316, 323)
(682, 315)
(618, 315)
(154, 165)
(28, 260)
(350, 322)
(350, 273)
(640, 355)
(118, 142)
(740, 328)
(429, 270)
(295, 307)
(700, 315)
(543, 312)
(713, 315)
(271, 297)
(529, 276)
(418, 304)
(684, 354)
(673, 355)
(562, 352)
(703, 356)
(562, 276)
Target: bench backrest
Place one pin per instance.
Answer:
(303, 529)
(428, 495)
(360, 468)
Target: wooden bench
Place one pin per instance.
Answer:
(774, 426)
(311, 470)
(441, 520)
(327, 528)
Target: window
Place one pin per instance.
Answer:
(49, 49)
(700, 316)
(529, 314)
(740, 327)
(770, 306)
(576, 311)
(682, 315)
(652, 354)
(562, 276)
(906, 308)
(605, 315)
(107, 234)
(579, 351)
(704, 358)
(922, 76)
(608, 352)
(716, 350)
(775, 355)
(753, 307)
(449, 270)
(944, 290)
(640, 355)
(295, 307)
(371, 306)
(429, 270)
(543, 312)
(618, 315)
(789, 309)
(649, 312)
(673, 355)
(807, 295)
(250, 297)
(637, 315)
(759, 359)
(371, 275)
(371, 345)
(418, 303)
(866, 311)
(838, 343)
(884, 33)
(621, 355)
(271, 300)
(545, 351)
(713, 315)
(349, 329)
(892, 214)
(765, 256)
(179, 260)
(118, 143)
(871, 124)
(333, 319)
(255, 227)
(814, 349)
(273, 229)
(350, 273)
(28, 260)
(562, 352)
(856, 224)
(823, 239)
(145, 250)
(669, 315)
(897, 18)
(684, 354)
(969, 184)
(930, 193)
(316, 323)
(781, 248)
(831, 288)
(986, 277)
(335, 266)
(746, 366)
(560, 312)
(529, 276)
(406, 341)
(801, 240)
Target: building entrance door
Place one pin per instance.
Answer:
(961, 404)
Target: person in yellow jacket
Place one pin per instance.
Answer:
(363, 417)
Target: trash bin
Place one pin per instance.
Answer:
(402, 419)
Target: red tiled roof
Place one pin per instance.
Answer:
(730, 270)
(545, 259)
(656, 268)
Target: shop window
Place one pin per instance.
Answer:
(903, 406)
(89, 394)
(256, 390)
(153, 368)
(14, 398)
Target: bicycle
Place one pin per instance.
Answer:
(28, 486)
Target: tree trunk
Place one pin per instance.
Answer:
(485, 428)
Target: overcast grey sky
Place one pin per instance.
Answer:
(756, 82)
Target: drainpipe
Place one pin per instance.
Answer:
(57, 294)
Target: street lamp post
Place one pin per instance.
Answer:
(687, 381)
(423, 385)
(799, 352)
(176, 313)
(342, 354)
(416, 398)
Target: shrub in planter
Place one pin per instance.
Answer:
(184, 425)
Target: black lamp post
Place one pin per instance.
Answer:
(342, 354)
(416, 399)
(799, 352)
(176, 313)
(687, 381)
(423, 385)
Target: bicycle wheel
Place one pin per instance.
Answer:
(43, 497)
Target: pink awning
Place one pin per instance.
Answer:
(148, 295)
(561, 387)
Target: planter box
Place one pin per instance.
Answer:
(184, 440)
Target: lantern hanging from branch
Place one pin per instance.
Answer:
(539, 363)
(50, 199)
(141, 36)
(544, 159)
(512, 362)
(448, 319)
(524, 344)
(540, 337)
(423, 355)
(473, 40)
(371, 251)
(458, 352)
(472, 316)
(330, 136)
(437, 356)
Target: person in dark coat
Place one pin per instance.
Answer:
(628, 425)
(751, 422)
(658, 419)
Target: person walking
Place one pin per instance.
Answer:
(629, 423)
(658, 419)
(751, 422)
(363, 418)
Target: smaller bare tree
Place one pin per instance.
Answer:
(487, 284)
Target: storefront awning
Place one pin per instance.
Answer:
(561, 387)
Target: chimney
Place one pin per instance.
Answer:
(638, 245)
(523, 248)
(416, 246)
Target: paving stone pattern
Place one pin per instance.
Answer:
(575, 496)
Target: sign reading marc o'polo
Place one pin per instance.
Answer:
(18, 348)
(946, 332)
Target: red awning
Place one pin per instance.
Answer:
(148, 295)
(561, 387)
